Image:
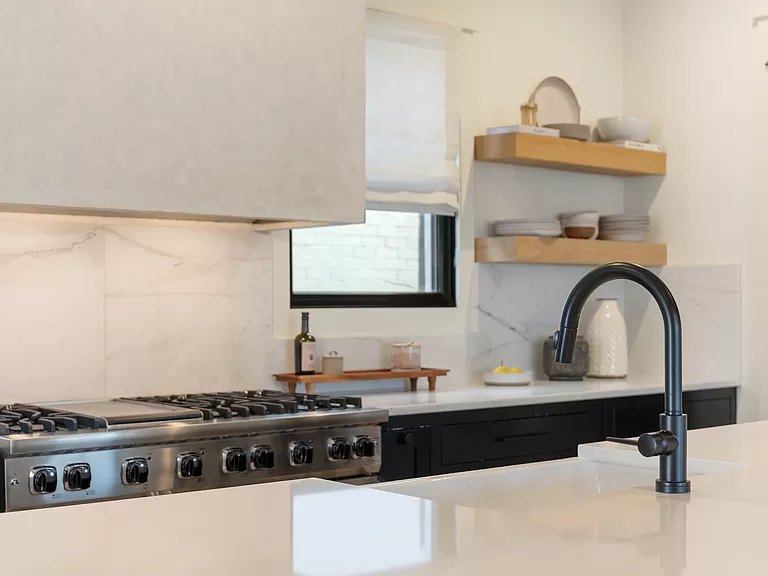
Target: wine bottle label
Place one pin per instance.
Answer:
(307, 356)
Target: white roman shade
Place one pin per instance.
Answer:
(412, 123)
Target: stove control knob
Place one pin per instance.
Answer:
(77, 477)
(262, 457)
(234, 460)
(302, 453)
(135, 471)
(339, 449)
(189, 465)
(365, 447)
(43, 480)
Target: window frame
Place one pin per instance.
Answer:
(443, 269)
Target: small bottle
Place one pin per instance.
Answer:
(304, 348)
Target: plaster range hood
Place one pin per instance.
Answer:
(183, 110)
(259, 225)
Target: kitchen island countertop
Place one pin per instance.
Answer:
(321, 528)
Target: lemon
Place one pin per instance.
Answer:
(504, 370)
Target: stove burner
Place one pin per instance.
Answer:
(30, 419)
(17, 419)
(248, 403)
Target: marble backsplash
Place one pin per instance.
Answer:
(94, 308)
(520, 306)
(709, 299)
(103, 308)
(449, 351)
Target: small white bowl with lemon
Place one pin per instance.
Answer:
(505, 376)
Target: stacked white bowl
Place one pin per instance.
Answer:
(624, 227)
(580, 225)
(528, 227)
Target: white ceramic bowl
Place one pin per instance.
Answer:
(493, 379)
(580, 219)
(625, 128)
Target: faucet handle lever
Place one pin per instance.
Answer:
(652, 444)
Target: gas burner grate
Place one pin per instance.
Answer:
(253, 403)
(30, 419)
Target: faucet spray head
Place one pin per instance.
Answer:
(564, 341)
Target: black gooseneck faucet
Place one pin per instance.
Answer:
(670, 444)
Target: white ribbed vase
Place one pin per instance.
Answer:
(607, 337)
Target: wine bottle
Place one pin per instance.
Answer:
(304, 348)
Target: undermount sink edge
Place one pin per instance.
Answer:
(599, 470)
(616, 454)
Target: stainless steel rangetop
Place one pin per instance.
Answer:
(52, 427)
(62, 453)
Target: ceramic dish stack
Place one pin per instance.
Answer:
(624, 228)
(528, 227)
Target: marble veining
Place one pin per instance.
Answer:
(519, 307)
(98, 307)
(709, 298)
(108, 307)
(187, 310)
(51, 305)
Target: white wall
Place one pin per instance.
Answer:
(695, 66)
(517, 44)
(94, 307)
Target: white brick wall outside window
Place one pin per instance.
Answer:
(382, 255)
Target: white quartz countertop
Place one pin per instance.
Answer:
(319, 528)
(571, 517)
(538, 392)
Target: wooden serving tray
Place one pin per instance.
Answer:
(309, 382)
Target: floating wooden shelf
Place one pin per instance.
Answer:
(534, 250)
(572, 155)
(309, 382)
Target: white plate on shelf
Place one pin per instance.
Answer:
(557, 102)
(545, 228)
(537, 233)
(493, 379)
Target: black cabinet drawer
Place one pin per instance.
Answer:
(503, 439)
(629, 417)
(710, 408)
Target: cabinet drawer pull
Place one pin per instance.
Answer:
(519, 436)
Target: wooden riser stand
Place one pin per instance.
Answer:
(431, 374)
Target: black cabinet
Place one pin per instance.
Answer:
(550, 429)
(710, 408)
(426, 444)
(405, 453)
(629, 417)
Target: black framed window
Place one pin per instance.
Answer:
(394, 260)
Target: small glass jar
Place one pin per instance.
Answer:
(406, 356)
(528, 113)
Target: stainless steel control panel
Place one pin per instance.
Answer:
(89, 476)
